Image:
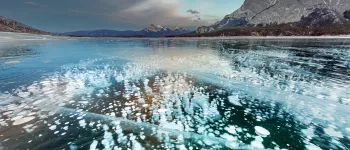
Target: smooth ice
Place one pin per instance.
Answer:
(206, 93)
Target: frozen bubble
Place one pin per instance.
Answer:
(228, 137)
(239, 129)
(22, 120)
(331, 131)
(105, 127)
(53, 127)
(181, 147)
(73, 147)
(28, 126)
(83, 102)
(12, 62)
(136, 145)
(348, 129)
(234, 99)
(258, 142)
(309, 132)
(231, 129)
(141, 101)
(162, 110)
(258, 118)
(93, 145)
(312, 147)
(7, 113)
(91, 124)
(261, 131)
(16, 118)
(108, 141)
(208, 142)
(31, 114)
(23, 94)
(201, 129)
(82, 123)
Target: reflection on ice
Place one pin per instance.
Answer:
(221, 98)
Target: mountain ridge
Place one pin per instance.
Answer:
(151, 31)
(9, 25)
(255, 12)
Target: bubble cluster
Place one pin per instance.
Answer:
(231, 100)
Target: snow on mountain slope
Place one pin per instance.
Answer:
(255, 12)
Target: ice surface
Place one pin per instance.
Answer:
(199, 96)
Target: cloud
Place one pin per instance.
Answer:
(34, 3)
(108, 14)
(87, 12)
(193, 11)
(161, 12)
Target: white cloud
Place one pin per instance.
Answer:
(34, 3)
(163, 12)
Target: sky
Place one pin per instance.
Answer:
(74, 15)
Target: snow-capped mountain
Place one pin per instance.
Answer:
(158, 30)
(9, 25)
(151, 31)
(255, 12)
(154, 28)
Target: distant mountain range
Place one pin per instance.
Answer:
(151, 31)
(299, 13)
(8, 25)
(253, 18)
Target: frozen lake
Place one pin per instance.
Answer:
(183, 93)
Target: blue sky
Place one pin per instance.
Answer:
(72, 15)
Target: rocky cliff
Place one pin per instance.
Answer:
(255, 12)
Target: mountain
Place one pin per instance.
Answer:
(307, 13)
(103, 33)
(151, 31)
(157, 30)
(8, 25)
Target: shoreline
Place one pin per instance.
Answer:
(201, 37)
